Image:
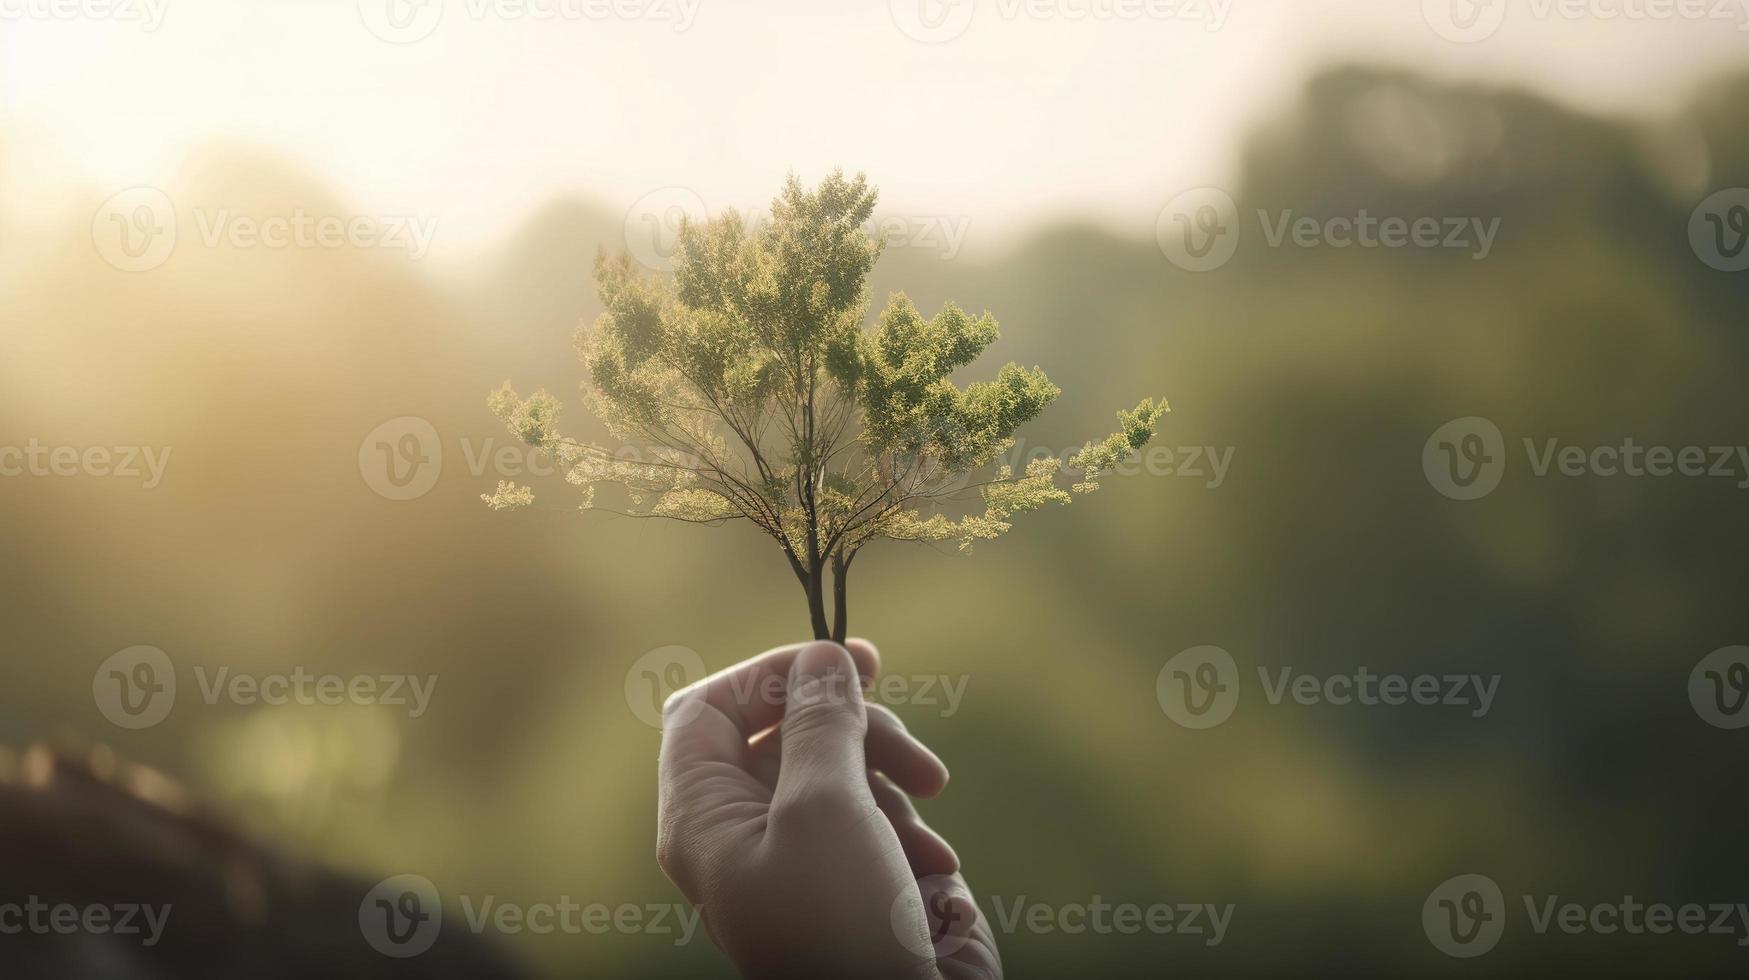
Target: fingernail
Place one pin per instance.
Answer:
(822, 672)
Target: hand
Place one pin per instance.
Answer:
(784, 817)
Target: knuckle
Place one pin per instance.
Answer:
(826, 715)
(679, 706)
(823, 806)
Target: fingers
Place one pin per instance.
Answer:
(902, 756)
(751, 693)
(890, 748)
(711, 720)
(927, 851)
(824, 726)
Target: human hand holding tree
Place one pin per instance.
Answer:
(789, 824)
(760, 397)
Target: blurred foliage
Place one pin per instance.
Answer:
(1324, 549)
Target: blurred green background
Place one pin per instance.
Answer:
(1325, 548)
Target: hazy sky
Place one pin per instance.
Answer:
(1022, 110)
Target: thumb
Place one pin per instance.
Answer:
(824, 724)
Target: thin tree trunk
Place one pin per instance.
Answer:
(816, 586)
(840, 603)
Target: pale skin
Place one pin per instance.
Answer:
(788, 822)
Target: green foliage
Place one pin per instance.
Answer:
(751, 391)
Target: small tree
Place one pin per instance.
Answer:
(759, 396)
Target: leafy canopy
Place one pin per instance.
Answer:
(754, 392)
